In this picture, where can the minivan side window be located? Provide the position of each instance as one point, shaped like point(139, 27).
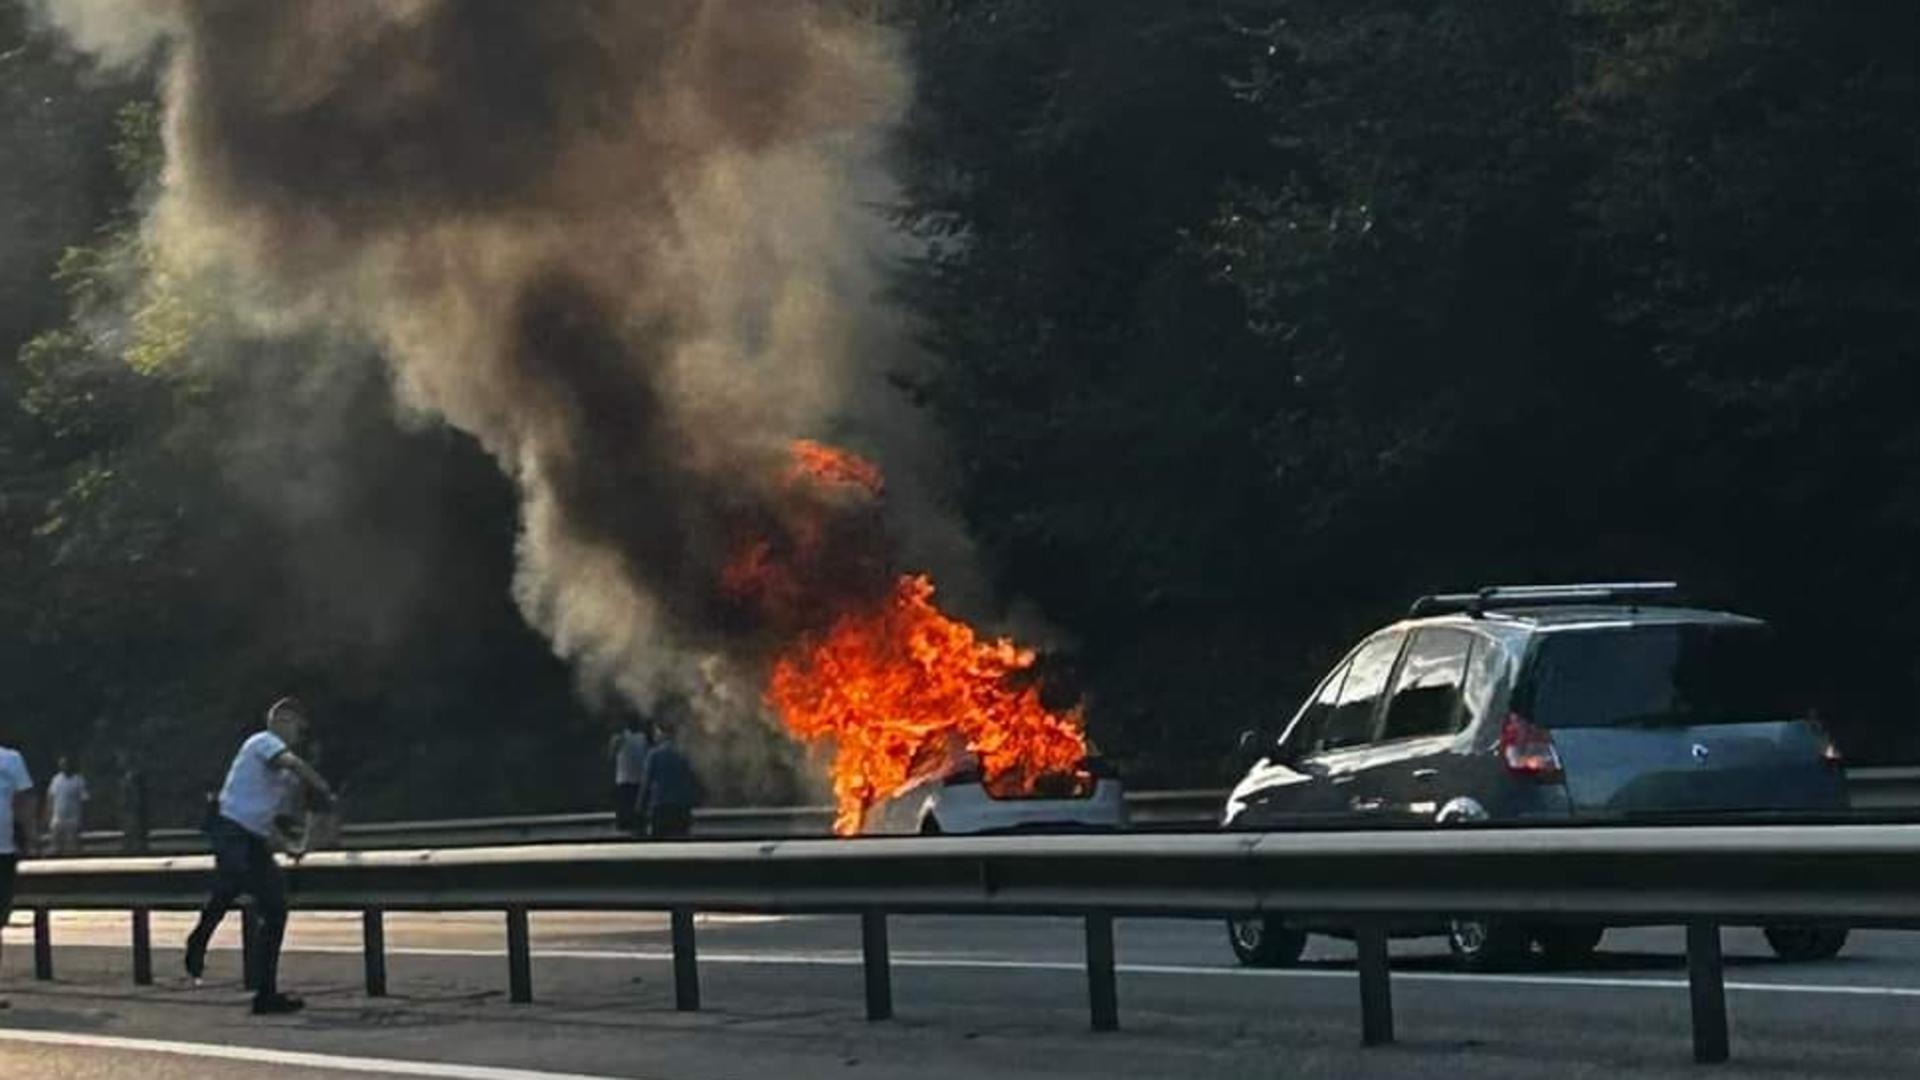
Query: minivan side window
point(1351, 723)
point(1426, 693)
point(1303, 737)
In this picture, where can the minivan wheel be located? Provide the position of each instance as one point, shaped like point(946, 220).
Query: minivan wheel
point(1568, 945)
point(1800, 943)
point(1261, 941)
point(1488, 944)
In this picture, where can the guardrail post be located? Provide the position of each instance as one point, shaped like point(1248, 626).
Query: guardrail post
point(1706, 984)
point(249, 950)
point(373, 939)
point(519, 958)
point(142, 947)
point(1376, 986)
point(878, 965)
point(686, 962)
point(42, 944)
point(1102, 993)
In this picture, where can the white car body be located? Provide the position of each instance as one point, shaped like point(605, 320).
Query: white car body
point(937, 805)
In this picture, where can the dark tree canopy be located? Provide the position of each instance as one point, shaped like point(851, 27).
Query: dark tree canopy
point(1250, 320)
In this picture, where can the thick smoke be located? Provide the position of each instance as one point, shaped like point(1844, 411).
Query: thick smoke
point(625, 244)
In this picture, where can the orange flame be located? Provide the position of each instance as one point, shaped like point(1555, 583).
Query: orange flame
point(829, 464)
point(894, 684)
point(892, 688)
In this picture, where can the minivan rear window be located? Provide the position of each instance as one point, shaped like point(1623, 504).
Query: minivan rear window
point(1661, 676)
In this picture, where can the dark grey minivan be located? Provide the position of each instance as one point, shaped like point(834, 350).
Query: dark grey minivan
point(1542, 703)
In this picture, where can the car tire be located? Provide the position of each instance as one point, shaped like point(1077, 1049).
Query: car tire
point(1568, 945)
point(1261, 941)
point(1804, 943)
point(1488, 944)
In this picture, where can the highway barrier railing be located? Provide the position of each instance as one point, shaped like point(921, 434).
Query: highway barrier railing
point(1701, 878)
point(1870, 789)
point(1148, 809)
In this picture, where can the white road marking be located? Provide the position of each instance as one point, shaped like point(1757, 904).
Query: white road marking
point(831, 959)
point(259, 1056)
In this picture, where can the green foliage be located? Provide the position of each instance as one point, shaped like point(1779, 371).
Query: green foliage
point(1257, 319)
point(1250, 320)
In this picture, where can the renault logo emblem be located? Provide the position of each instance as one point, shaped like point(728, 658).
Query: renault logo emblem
point(1699, 754)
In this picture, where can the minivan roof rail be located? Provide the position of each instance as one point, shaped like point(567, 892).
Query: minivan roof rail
point(1510, 596)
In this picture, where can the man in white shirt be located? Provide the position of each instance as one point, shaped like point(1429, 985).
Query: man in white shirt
point(66, 800)
point(244, 835)
point(629, 750)
point(16, 825)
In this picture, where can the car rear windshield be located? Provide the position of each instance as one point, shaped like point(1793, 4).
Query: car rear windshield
point(1660, 676)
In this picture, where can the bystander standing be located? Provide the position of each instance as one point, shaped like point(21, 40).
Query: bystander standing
point(630, 747)
point(16, 825)
point(67, 798)
point(669, 789)
point(133, 806)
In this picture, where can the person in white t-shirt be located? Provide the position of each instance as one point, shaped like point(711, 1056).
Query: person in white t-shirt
point(66, 804)
point(244, 835)
point(629, 750)
point(17, 815)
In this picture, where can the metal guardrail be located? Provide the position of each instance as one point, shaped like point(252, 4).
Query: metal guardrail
point(1148, 809)
point(1884, 788)
point(1870, 789)
point(1700, 878)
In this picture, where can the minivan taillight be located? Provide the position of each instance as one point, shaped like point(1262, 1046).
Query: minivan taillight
point(1527, 751)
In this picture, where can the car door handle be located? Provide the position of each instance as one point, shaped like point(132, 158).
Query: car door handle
point(1425, 774)
point(1366, 805)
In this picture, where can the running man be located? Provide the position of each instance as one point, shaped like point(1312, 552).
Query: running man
point(244, 835)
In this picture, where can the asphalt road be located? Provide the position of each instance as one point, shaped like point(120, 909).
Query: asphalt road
point(975, 998)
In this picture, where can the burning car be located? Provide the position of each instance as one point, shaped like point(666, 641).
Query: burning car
point(960, 798)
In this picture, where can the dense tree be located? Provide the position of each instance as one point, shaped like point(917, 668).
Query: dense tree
point(196, 521)
point(1249, 320)
point(1397, 295)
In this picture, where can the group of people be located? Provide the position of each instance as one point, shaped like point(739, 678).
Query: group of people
point(655, 788)
point(64, 809)
point(245, 827)
point(656, 792)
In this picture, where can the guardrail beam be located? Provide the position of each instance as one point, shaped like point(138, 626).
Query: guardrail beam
point(1706, 985)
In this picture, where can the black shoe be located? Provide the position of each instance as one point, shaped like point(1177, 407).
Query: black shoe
point(196, 962)
point(277, 1005)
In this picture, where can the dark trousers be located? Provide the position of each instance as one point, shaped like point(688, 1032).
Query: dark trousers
point(626, 810)
point(670, 822)
point(243, 865)
point(9, 866)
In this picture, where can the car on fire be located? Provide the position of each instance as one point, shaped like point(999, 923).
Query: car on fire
point(1542, 704)
point(958, 798)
